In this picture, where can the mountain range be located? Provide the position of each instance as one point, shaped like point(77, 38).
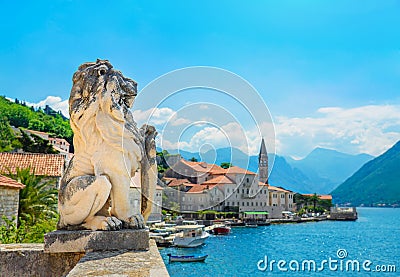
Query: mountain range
point(375, 183)
point(319, 172)
point(327, 168)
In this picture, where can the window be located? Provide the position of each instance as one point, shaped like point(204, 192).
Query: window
point(247, 179)
point(247, 191)
point(227, 190)
point(256, 203)
point(248, 204)
point(242, 203)
point(243, 191)
point(282, 196)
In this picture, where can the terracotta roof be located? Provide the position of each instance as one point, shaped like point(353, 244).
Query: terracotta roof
point(178, 182)
point(43, 164)
point(200, 188)
point(11, 183)
point(322, 197)
point(167, 180)
point(204, 167)
point(238, 170)
point(278, 189)
point(159, 187)
point(219, 180)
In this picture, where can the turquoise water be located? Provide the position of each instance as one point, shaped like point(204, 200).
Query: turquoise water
point(375, 236)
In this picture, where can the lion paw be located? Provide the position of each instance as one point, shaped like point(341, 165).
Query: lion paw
point(113, 223)
point(134, 222)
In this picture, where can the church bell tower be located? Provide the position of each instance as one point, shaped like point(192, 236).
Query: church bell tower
point(263, 163)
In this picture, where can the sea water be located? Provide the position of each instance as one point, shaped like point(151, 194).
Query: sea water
point(327, 248)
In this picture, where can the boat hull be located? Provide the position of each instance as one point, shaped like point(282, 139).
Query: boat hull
point(173, 258)
point(221, 230)
point(190, 242)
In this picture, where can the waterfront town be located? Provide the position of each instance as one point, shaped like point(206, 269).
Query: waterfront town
point(188, 187)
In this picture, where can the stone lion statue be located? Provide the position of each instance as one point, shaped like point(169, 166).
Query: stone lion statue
point(109, 150)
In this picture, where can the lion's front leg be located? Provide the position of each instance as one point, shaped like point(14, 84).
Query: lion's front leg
point(120, 204)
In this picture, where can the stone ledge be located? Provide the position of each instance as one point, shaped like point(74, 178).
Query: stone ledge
point(29, 260)
point(121, 263)
point(86, 241)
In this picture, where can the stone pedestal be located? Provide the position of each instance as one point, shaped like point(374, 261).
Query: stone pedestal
point(89, 241)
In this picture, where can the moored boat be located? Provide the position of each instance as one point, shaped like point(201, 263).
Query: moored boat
point(221, 229)
point(190, 236)
point(189, 258)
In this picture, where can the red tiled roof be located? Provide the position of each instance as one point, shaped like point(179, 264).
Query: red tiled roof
point(11, 183)
point(43, 164)
point(200, 188)
point(159, 187)
point(204, 167)
point(178, 182)
point(278, 189)
point(219, 180)
point(238, 170)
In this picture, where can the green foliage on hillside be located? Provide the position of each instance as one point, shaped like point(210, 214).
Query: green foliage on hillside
point(377, 182)
point(8, 141)
point(21, 116)
point(35, 144)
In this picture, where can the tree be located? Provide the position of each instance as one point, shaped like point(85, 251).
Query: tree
point(226, 165)
point(6, 135)
point(314, 200)
point(36, 144)
point(36, 124)
point(38, 200)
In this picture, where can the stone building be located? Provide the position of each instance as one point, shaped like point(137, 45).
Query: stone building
point(9, 198)
point(135, 196)
point(196, 186)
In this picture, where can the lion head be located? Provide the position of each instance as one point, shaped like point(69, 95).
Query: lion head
point(94, 81)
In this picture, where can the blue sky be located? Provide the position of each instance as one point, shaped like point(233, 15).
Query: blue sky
point(315, 63)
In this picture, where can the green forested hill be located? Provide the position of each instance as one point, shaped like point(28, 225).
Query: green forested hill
point(377, 182)
point(21, 116)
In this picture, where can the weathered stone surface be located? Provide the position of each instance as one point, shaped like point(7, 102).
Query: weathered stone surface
point(121, 263)
point(109, 150)
point(30, 260)
point(85, 240)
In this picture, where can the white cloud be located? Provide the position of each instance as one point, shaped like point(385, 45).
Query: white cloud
point(231, 134)
point(159, 116)
point(367, 129)
point(55, 102)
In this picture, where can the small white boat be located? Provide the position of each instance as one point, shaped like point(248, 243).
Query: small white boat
point(191, 258)
point(190, 236)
